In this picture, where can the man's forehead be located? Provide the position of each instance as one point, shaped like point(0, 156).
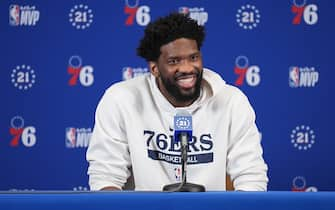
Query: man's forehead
point(179, 47)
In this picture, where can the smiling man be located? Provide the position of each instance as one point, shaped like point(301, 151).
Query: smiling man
point(179, 71)
point(134, 120)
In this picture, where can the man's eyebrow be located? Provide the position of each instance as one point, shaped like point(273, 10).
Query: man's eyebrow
point(173, 57)
point(196, 53)
point(177, 57)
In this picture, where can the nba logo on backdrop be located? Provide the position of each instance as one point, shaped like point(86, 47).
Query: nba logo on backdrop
point(70, 137)
point(303, 76)
point(21, 133)
point(129, 72)
point(77, 137)
point(79, 73)
point(14, 15)
point(136, 13)
point(196, 13)
point(304, 13)
point(244, 72)
point(23, 15)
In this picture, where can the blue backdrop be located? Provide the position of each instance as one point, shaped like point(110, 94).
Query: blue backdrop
point(58, 57)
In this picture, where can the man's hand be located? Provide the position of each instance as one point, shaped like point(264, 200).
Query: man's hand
point(111, 188)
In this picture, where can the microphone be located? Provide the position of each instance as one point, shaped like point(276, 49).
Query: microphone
point(183, 134)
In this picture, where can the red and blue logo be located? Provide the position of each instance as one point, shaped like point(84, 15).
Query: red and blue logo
point(244, 72)
point(136, 13)
point(21, 133)
point(304, 13)
point(299, 184)
point(78, 72)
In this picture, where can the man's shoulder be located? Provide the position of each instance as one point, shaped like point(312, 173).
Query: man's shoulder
point(129, 87)
point(231, 90)
point(219, 86)
point(129, 92)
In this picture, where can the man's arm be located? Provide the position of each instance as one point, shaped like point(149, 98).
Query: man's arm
point(245, 163)
point(108, 151)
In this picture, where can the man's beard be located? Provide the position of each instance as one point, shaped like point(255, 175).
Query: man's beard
point(177, 92)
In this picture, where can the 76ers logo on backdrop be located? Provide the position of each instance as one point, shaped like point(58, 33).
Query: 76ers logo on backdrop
point(299, 184)
point(78, 72)
point(27, 134)
point(306, 11)
point(245, 72)
point(135, 12)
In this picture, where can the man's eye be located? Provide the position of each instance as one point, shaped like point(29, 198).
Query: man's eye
point(173, 61)
point(194, 57)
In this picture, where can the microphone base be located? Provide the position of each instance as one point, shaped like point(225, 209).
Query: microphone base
point(187, 187)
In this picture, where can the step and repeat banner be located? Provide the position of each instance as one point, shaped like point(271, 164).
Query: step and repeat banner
point(58, 57)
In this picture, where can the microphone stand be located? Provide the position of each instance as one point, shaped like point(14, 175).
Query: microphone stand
point(184, 186)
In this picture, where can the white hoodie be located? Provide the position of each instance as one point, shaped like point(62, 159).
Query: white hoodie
point(134, 128)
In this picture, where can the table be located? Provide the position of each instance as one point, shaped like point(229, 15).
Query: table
point(127, 200)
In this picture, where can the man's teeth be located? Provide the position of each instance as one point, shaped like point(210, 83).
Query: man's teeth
point(186, 80)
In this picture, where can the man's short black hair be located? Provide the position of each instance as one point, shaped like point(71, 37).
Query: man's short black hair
point(167, 29)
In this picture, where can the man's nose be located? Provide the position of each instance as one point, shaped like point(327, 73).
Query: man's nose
point(186, 66)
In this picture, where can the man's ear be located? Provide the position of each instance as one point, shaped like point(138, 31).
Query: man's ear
point(153, 68)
